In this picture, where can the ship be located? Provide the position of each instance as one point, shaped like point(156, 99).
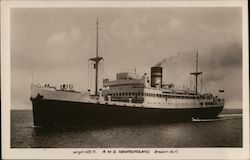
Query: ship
point(130, 99)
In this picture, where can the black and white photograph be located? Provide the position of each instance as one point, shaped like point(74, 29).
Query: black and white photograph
point(114, 80)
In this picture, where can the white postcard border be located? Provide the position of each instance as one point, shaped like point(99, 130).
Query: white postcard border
point(71, 153)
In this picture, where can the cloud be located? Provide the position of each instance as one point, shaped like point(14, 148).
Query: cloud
point(75, 34)
point(175, 23)
point(58, 39)
point(64, 37)
point(221, 66)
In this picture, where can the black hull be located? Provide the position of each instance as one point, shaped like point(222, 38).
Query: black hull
point(64, 113)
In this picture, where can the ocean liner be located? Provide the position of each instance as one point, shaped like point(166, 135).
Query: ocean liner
point(130, 99)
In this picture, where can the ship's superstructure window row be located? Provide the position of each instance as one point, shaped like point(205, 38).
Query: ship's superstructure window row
point(141, 94)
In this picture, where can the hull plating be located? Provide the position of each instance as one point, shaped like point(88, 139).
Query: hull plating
point(56, 113)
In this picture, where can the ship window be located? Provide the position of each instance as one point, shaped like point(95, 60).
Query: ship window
point(120, 94)
point(129, 94)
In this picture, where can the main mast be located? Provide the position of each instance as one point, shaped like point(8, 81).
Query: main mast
point(97, 59)
point(196, 74)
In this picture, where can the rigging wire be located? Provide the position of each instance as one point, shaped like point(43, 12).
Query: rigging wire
point(205, 88)
point(88, 75)
point(201, 82)
point(90, 63)
point(91, 70)
point(102, 54)
point(190, 85)
point(114, 43)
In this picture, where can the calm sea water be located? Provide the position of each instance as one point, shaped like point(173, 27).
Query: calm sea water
point(225, 132)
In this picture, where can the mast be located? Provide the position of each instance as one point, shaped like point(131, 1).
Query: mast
point(96, 59)
point(196, 73)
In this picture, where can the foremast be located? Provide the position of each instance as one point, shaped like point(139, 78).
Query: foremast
point(196, 73)
point(96, 59)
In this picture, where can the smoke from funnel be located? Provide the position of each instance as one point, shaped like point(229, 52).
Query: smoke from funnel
point(160, 63)
point(168, 60)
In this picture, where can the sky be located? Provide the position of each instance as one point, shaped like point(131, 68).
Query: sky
point(53, 45)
